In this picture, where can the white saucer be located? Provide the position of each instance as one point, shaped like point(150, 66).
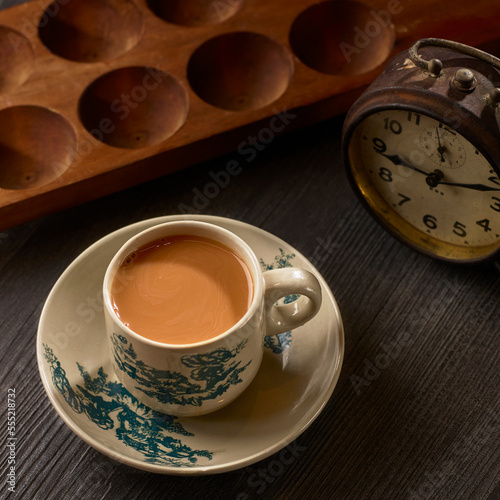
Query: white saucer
point(297, 377)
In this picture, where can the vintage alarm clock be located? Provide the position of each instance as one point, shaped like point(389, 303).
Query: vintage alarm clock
point(422, 150)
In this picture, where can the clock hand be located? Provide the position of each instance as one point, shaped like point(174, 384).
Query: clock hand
point(436, 179)
point(440, 149)
point(478, 187)
point(398, 161)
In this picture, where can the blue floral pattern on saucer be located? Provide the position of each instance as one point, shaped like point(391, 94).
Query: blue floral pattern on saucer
point(110, 406)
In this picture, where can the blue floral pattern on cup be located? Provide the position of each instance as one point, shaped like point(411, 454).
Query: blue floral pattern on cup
point(212, 374)
point(279, 343)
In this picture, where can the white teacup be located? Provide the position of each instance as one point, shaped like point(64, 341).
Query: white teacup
point(197, 378)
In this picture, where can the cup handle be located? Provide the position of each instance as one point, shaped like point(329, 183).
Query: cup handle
point(290, 281)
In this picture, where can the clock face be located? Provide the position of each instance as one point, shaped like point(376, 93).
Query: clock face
point(428, 184)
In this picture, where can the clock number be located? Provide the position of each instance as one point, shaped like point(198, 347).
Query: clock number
point(430, 221)
point(495, 180)
point(412, 116)
point(485, 224)
point(496, 206)
point(393, 125)
point(385, 174)
point(404, 199)
point(379, 145)
point(460, 229)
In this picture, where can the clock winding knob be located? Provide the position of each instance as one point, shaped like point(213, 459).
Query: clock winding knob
point(464, 80)
point(434, 66)
point(495, 96)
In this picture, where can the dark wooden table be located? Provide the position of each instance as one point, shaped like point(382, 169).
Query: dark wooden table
point(416, 412)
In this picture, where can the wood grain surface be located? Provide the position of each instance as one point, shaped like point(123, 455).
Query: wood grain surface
point(99, 95)
point(416, 412)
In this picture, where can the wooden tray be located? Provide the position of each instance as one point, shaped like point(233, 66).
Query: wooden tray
point(99, 95)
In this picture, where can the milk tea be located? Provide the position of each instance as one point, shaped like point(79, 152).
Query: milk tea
point(181, 289)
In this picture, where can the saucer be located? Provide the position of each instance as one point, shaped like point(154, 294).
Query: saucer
point(297, 377)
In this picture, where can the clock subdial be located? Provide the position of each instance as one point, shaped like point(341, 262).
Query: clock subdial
point(443, 146)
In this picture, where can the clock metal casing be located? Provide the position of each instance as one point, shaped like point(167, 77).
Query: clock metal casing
point(471, 113)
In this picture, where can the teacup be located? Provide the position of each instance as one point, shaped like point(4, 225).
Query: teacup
point(191, 357)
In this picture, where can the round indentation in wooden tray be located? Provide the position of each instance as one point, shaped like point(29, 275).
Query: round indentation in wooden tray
point(195, 12)
point(134, 107)
point(342, 37)
point(91, 30)
point(17, 59)
point(240, 71)
point(36, 146)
